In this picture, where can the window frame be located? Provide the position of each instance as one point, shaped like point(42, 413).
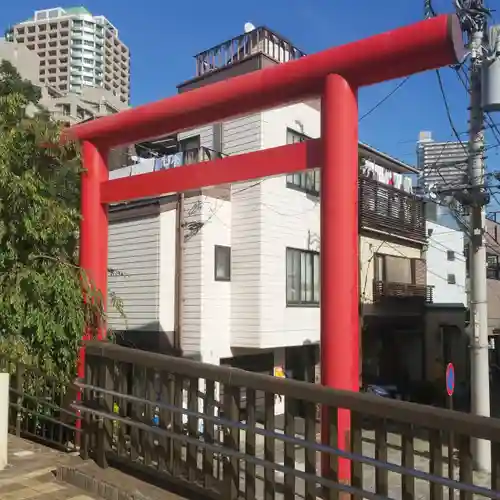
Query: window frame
point(380, 267)
point(190, 148)
point(315, 257)
point(302, 177)
point(492, 266)
point(226, 253)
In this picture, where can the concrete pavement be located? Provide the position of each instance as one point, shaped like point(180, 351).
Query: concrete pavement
point(30, 474)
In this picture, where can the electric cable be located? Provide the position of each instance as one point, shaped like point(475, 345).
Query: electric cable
point(388, 96)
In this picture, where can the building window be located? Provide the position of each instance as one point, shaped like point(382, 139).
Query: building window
point(222, 267)
point(190, 148)
point(399, 269)
point(451, 279)
point(302, 277)
point(450, 255)
point(307, 182)
point(492, 267)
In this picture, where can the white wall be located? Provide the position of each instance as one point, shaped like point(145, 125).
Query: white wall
point(134, 252)
point(166, 301)
point(244, 135)
point(289, 218)
point(440, 242)
point(191, 280)
point(216, 295)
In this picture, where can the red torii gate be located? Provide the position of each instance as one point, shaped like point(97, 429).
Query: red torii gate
point(334, 74)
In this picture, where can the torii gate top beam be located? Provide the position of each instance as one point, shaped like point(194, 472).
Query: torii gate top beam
point(418, 47)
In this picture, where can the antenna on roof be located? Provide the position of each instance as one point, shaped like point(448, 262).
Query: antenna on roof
point(249, 27)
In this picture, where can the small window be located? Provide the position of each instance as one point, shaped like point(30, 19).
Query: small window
point(190, 147)
point(302, 277)
point(307, 182)
point(450, 255)
point(451, 279)
point(222, 268)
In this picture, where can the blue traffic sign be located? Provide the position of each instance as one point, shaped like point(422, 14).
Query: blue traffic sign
point(450, 379)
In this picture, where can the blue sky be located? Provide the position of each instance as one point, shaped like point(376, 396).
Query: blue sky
point(163, 37)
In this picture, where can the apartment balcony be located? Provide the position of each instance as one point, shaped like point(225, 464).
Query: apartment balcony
point(245, 53)
point(260, 40)
point(389, 210)
point(165, 159)
point(400, 280)
point(384, 291)
point(197, 155)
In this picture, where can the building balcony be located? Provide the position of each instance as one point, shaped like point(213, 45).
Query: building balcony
point(389, 291)
point(197, 155)
point(260, 40)
point(177, 158)
point(389, 210)
point(399, 279)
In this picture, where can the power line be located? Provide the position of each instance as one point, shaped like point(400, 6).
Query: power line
point(448, 111)
point(388, 96)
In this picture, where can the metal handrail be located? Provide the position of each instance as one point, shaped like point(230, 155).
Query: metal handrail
point(410, 413)
point(392, 467)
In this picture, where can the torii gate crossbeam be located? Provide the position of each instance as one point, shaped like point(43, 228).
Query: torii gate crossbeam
point(334, 74)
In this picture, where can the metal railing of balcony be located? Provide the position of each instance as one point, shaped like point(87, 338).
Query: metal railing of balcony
point(389, 290)
point(260, 40)
point(187, 157)
point(390, 210)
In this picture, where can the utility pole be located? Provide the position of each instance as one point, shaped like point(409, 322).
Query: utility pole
point(473, 15)
point(480, 370)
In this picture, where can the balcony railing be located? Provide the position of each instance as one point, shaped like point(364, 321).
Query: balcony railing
point(261, 40)
point(390, 210)
point(383, 290)
point(190, 156)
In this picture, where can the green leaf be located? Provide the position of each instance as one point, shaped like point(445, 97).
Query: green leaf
point(42, 311)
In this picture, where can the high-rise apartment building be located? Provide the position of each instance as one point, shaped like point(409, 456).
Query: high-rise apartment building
point(441, 164)
point(76, 50)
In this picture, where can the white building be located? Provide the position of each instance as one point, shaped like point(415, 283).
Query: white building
point(446, 262)
point(243, 251)
point(233, 276)
point(446, 335)
point(441, 164)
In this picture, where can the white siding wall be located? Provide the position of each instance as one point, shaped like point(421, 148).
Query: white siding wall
point(206, 303)
point(168, 222)
point(193, 262)
point(192, 279)
point(134, 251)
point(289, 219)
point(438, 266)
point(216, 295)
point(244, 135)
point(205, 133)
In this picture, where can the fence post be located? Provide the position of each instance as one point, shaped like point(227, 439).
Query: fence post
point(105, 429)
point(4, 418)
point(86, 427)
point(231, 440)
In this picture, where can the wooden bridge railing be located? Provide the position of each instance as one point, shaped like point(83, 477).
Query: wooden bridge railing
point(182, 421)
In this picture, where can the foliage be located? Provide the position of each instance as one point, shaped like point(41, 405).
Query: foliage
point(42, 314)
